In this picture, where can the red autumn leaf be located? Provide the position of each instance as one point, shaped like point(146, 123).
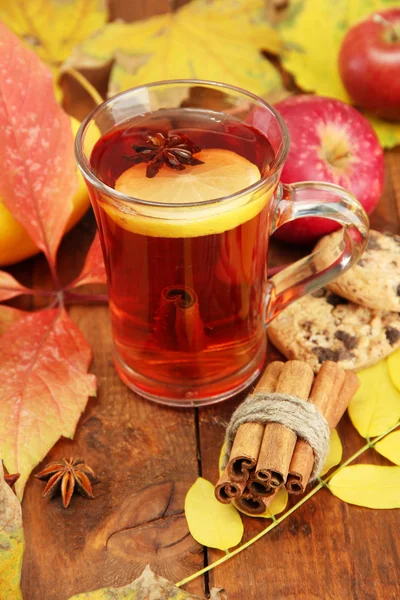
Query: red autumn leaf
point(38, 175)
point(10, 287)
point(44, 360)
point(8, 316)
point(94, 270)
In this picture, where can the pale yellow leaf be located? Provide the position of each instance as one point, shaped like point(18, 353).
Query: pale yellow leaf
point(394, 368)
point(368, 485)
point(219, 40)
point(53, 27)
point(389, 447)
point(211, 523)
point(147, 586)
point(312, 32)
point(11, 542)
point(376, 405)
point(335, 452)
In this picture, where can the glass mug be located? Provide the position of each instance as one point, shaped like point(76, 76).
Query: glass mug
point(187, 278)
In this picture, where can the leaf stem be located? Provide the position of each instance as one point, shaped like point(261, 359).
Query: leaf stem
point(54, 275)
point(276, 522)
point(85, 83)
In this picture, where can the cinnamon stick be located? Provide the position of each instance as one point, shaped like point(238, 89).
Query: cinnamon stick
point(331, 393)
point(278, 441)
point(246, 447)
point(179, 324)
point(260, 488)
point(227, 490)
point(254, 505)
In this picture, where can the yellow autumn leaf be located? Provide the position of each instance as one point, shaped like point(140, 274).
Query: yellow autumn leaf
point(148, 585)
point(54, 27)
point(335, 453)
point(219, 40)
point(389, 447)
point(368, 485)
point(394, 368)
point(312, 32)
point(376, 405)
point(211, 523)
point(11, 542)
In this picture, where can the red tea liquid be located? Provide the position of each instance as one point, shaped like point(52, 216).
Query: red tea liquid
point(187, 312)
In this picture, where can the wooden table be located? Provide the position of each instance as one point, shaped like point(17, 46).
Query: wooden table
point(147, 456)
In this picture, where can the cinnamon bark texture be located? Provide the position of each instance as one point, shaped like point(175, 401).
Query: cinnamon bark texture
point(179, 324)
point(254, 505)
point(331, 393)
point(246, 447)
point(278, 441)
point(227, 490)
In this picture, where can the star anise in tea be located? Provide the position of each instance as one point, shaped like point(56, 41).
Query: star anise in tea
point(173, 150)
point(68, 476)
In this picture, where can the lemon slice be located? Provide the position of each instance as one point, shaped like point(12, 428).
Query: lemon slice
point(222, 174)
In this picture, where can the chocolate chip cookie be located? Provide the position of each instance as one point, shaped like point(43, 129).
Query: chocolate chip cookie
point(374, 281)
point(324, 326)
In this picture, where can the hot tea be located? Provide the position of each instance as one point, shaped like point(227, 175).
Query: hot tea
point(187, 274)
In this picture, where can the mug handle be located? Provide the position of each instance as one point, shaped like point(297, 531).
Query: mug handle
point(314, 199)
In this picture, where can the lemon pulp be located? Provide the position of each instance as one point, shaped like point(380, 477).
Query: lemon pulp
point(223, 173)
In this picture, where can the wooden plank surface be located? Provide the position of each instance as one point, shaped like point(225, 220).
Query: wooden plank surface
point(147, 456)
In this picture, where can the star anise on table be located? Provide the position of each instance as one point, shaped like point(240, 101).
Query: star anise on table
point(174, 150)
point(68, 475)
point(11, 479)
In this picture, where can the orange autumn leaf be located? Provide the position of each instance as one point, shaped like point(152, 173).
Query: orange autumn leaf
point(45, 386)
point(94, 270)
point(10, 287)
point(38, 176)
point(8, 316)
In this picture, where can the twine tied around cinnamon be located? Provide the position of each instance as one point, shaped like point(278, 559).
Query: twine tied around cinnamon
point(300, 416)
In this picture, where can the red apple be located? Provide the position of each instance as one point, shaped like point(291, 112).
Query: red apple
point(369, 63)
point(329, 141)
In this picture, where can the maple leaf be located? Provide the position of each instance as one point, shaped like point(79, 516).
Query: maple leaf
point(38, 176)
point(54, 27)
point(219, 40)
point(93, 270)
point(11, 541)
point(10, 287)
point(44, 360)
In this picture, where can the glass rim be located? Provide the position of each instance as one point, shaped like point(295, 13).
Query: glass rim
point(84, 165)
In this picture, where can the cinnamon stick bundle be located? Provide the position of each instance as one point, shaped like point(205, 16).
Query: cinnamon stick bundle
point(331, 393)
point(278, 441)
point(246, 447)
point(265, 457)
